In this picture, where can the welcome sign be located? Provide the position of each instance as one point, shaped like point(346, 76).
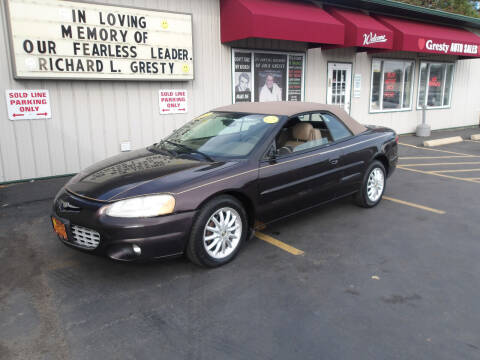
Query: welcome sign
point(52, 39)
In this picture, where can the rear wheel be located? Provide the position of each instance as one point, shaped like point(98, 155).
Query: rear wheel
point(218, 232)
point(373, 186)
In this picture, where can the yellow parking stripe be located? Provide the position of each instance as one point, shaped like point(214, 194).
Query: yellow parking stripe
point(418, 206)
point(440, 175)
point(278, 243)
point(435, 164)
point(444, 151)
point(449, 171)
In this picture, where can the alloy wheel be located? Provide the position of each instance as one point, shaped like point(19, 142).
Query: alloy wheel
point(375, 184)
point(222, 233)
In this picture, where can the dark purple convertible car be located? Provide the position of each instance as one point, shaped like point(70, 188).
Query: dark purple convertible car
point(200, 191)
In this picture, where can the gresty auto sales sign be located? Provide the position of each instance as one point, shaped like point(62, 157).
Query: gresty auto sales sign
point(447, 47)
point(52, 39)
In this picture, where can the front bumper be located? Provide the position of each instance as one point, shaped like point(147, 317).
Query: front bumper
point(157, 237)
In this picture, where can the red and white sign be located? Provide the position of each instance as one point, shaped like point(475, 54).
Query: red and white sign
point(172, 101)
point(448, 47)
point(28, 104)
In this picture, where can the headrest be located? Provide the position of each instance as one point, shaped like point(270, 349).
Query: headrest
point(302, 131)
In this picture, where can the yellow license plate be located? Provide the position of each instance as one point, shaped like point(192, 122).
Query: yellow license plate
point(59, 228)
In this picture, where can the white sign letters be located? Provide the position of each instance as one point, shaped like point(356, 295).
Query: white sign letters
point(371, 38)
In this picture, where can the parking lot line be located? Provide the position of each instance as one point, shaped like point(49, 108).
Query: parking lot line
point(418, 206)
point(460, 170)
point(429, 149)
point(278, 243)
point(437, 157)
point(440, 175)
point(446, 163)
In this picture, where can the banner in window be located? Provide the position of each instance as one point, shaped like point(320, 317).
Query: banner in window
point(243, 77)
point(270, 77)
point(295, 73)
point(267, 76)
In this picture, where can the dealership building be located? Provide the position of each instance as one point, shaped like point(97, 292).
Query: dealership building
point(86, 80)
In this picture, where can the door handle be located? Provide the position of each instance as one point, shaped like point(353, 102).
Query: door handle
point(334, 161)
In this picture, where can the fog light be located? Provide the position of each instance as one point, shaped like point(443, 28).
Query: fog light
point(137, 250)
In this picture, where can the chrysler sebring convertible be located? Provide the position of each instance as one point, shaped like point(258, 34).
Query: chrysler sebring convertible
point(201, 190)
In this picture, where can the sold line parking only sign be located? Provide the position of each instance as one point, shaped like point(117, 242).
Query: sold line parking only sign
point(172, 101)
point(28, 104)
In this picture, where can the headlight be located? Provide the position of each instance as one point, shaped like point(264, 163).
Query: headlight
point(142, 206)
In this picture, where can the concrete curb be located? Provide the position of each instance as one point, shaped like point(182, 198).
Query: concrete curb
point(443, 141)
point(475, 137)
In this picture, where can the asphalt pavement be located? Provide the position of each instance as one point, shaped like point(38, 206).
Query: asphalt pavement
point(399, 281)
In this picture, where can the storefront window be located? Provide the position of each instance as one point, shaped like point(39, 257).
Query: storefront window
point(435, 86)
point(391, 85)
point(267, 76)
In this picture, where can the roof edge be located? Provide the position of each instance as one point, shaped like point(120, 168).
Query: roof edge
point(463, 20)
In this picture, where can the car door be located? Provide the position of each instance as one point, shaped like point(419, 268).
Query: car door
point(353, 155)
point(294, 181)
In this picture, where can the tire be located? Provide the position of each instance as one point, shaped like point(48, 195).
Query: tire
point(371, 195)
point(215, 248)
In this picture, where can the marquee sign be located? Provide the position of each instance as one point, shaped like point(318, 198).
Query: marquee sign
point(53, 39)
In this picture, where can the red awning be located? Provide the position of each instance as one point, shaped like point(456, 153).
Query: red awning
point(428, 38)
point(363, 30)
point(276, 19)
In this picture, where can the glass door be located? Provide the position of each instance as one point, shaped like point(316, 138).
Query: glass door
point(339, 85)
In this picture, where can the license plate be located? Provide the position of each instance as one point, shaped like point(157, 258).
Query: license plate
point(59, 228)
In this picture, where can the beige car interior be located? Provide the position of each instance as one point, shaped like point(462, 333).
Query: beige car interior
point(298, 135)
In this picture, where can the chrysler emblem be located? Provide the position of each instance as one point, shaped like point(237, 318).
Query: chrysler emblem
point(66, 206)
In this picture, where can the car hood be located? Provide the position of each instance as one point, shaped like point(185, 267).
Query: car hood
point(139, 172)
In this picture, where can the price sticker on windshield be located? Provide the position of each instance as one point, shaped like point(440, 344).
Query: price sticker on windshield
point(270, 119)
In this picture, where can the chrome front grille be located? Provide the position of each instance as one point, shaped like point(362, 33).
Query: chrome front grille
point(85, 238)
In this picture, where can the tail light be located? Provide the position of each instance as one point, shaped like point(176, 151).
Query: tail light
point(397, 138)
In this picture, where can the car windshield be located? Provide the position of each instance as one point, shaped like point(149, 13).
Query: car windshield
point(222, 134)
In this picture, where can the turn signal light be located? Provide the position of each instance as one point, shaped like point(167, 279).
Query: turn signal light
point(59, 228)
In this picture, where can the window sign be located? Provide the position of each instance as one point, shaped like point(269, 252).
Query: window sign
point(52, 39)
point(243, 77)
point(270, 77)
point(391, 85)
point(267, 76)
point(435, 84)
point(295, 74)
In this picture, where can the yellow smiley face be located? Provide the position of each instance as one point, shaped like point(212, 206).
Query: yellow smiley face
point(185, 68)
point(165, 24)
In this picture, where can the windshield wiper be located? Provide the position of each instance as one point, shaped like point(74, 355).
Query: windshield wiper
point(189, 149)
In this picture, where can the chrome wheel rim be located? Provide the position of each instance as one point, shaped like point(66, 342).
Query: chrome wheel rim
point(375, 185)
point(222, 233)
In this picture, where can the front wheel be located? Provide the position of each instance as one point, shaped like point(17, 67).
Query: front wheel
point(373, 186)
point(218, 232)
